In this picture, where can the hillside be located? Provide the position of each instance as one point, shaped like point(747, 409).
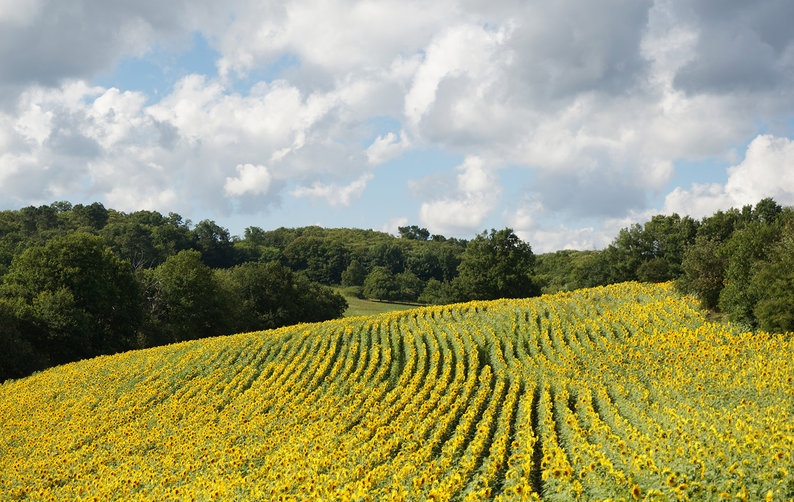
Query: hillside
point(622, 391)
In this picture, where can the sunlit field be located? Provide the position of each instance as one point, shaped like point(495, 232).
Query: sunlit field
point(621, 392)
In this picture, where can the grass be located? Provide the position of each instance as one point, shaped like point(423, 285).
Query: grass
point(358, 306)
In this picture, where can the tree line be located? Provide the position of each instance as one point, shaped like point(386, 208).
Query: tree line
point(739, 263)
point(82, 280)
point(78, 280)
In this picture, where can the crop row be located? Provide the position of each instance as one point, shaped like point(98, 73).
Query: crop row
point(617, 392)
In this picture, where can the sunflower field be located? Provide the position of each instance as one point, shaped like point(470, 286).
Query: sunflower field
point(623, 392)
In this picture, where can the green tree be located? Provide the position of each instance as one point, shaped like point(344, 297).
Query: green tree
point(380, 284)
point(414, 232)
point(214, 243)
point(354, 274)
point(772, 283)
point(185, 301)
point(495, 265)
point(703, 269)
point(92, 217)
point(389, 255)
point(322, 260)
point(80, 296)
point(18, 356)
point(435, 292)
point(409, 286)
point(653, 270)
point(744, 250)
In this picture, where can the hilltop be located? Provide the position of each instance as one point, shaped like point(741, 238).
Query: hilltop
point(623, 391)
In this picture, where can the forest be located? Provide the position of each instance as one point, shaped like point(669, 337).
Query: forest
point(79, 281)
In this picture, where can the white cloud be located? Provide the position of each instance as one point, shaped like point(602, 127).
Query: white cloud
point(334, 194)
point(386, 147)
point(477, 193)
point(136, 198)
point(392, 226)
point(250, 179)
point(766, 171)
point(332, 38)
point(547, 240)
point(460, 50)
point(596, 100)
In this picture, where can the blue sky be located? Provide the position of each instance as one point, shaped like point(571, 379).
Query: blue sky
point(564, 120)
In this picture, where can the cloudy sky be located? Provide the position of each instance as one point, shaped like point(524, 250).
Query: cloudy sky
point(564, 120)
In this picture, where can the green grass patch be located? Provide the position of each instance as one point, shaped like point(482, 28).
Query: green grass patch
point(359, 306)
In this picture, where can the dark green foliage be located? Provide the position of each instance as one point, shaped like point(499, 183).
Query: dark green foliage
point(147, 238)
point(380, 284)
point(562, 270)
point(638, 251)
point(185, 301)
point(79, 281)
point(741, 264)
point(389, 255)
point(92, 217)
point(654, 270)
point(214, 243)
point(410, 286)
point(773, 284)
point(495, 265)
point(435, 293)
point(269, 295)
point(414, 232)
point(743, 250)
point(354, 274)
point(322, 260)
point(18, 356)
point(77, 296)
point(703, 271)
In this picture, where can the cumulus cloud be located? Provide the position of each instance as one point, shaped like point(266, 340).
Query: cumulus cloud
point(386, 147)
point(766, 171)
point(393, 225)
point(47, 41)
point(740, 47)
point(332, 193)
point(596, 101)
point(250, 179)
point(475, 196)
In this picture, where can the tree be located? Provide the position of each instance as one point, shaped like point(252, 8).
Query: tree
point(214, 244)
point(495, 265)
point(435, 293)
point(322, 260)
point(185, 301)
point(380, 284)
point(409, 286)
point(703, 270)
point(413, 232)
point(317, 302)
point(389, 255)
point(773, 284)
point(425, 263)
point(18, 356)
point(269, 295)
point(93, 216)
point(80, 297)
point(653, 270)
point(743, 250)
point(354, 274)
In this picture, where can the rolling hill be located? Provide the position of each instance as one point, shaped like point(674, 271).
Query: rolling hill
point(623, 391)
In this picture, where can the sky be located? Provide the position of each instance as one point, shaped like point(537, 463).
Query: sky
point(564, 120)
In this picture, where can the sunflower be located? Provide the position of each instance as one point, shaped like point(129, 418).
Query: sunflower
point(636, 492)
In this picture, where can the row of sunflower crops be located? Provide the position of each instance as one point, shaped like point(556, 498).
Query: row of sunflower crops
point(621, 392)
